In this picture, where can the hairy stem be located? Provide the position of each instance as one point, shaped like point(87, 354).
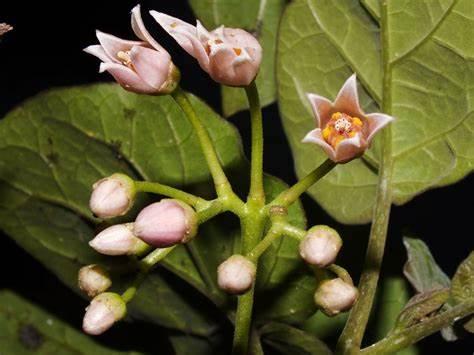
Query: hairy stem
point(256, 167)
point(401, 339)
point(157, 188)
point(352, 336)
point(252, 228)
point(218, 175)
point(286, 198)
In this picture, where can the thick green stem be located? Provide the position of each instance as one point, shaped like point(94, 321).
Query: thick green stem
point(252, 228)
point(352, 336)
point(401, 339)
point(286, 198)
point(218, 175)
point(157, 188)
point(256, 168)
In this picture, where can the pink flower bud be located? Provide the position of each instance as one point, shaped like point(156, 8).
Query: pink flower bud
point(4, 28)
point(166, 223)
point(103, 311)
point(335, 296)
point(320, 246)
point(231, 56)
point(118, 240)
point(112, 196)
point(93, 280)
point(343, 130)
point(236, 275)
point(143, 66)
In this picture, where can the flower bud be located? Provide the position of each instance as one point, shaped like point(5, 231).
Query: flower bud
point(166, 223)
point(103, 311)
point(93, 280)
point(320, 246)
point(236, 275)
point(112, 196)
point(335, 296)
point(118, 240)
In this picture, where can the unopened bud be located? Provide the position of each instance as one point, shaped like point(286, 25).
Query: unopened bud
point(93, 280)
point(118, 240)
point(236, 275)
point(320, 246)
point(112, 196)
point(103, 311)
point(166, 223)
point(335, 296)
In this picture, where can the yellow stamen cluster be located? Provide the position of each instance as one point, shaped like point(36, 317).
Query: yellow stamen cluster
point(124, 57)
point(341, 126)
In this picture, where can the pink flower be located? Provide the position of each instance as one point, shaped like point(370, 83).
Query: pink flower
point(343, 130)
point(166, 223)
point(231, 56)
point(142, 67)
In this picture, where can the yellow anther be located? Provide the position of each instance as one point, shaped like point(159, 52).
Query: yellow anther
point(124, 57)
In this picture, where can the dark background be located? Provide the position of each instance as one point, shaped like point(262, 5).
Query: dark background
point(44, 51)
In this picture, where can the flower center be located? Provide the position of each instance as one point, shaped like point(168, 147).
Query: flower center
point(341, 126)
point(124, 57)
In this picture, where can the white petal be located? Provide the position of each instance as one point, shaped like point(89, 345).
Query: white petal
point(350, 148)
point(98, 51)
point(140, 30)
point(321, 109)
point(127, 78)
point(376, 121)
point(315, 136)
point(112, 44)
point(176, 28)
point(347, 100)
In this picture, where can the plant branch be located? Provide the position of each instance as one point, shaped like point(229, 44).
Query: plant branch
point(401, 339)
point(286, 198)
point(353, 333)
point(220, 180)
point(157, 188)
point(256, 165)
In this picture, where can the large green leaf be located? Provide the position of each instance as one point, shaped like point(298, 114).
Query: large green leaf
point(431, 71)
point(260, 17)
point(27, 329)
point(52, 149)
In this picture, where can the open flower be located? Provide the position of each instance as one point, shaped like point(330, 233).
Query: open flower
point(231, 56)
point(142, 67)
point(343, 130)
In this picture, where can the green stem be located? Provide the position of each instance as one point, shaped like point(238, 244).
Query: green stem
point(157, 188)
point(252, 228)
point(146, 264)
point(218, 175)
point(256, 166)
point(273, 234)
point(353, 333)
point(286, 198)
point(401, 339)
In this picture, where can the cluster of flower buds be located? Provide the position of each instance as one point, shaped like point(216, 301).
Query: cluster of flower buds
point(320, 248)
point(236, 275)
point(231, 56)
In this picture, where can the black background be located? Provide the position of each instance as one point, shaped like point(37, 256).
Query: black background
point(44, 51)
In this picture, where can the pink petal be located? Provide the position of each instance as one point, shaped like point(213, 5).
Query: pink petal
point(186, 36)
point(376, 121)
point(350, 148)
point(202, 34)
point(127, 78)
point(98, 51)
point(112, 45)
point(347, 100)
point(226, 67)
point(315, 136)
point(321, 108)
point(140, 30)
point(151, 65)
point(238, 38)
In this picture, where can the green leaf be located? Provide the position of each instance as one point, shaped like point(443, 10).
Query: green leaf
point(462, 289)
point(294, 341)
point(322, 42)
point(421, 268)
point(421, 306)
point(261, 18)
point(27, 329)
